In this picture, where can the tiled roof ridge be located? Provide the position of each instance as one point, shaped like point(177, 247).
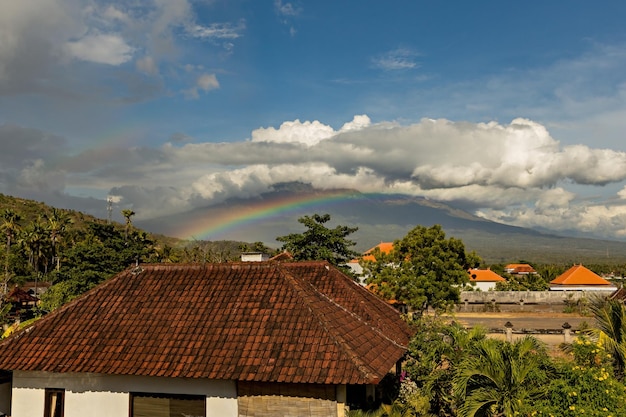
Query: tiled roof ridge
point(341, 343)
point(360, 319)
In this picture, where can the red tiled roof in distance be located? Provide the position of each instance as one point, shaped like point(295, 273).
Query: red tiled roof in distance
point(19, 295)
point(384, 247)
point(519, 269)
point(260, 321)
point(484, 275)
point(579, 275)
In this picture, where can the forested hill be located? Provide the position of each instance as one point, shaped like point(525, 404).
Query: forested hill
point(74, 251)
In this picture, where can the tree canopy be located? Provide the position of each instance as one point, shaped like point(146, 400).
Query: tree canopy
point(423, 269)
point(319, 242)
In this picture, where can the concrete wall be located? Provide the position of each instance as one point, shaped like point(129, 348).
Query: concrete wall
point(528, 297)
point(108, 395)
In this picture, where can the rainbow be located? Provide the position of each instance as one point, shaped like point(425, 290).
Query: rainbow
point(210, 227)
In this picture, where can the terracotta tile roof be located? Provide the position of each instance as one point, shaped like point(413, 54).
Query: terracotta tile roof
point(263, 321)
point(19, 295)
point(385, 247)
point(519, 269)
point(579, 275)
point(484, 275)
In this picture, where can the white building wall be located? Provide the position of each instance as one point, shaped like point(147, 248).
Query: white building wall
point(98, 395)
point(484, 285)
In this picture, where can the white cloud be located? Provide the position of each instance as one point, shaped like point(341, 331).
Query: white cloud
point(207, 82)
point(308, 133)
point(147, 65)
point(217, 31)
point(397, 59)
point(515, 173)
point(100, 48)
point(286, 9)
point(40, 40)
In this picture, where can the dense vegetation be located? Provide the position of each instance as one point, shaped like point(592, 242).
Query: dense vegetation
point(74, 252)
point(449, 370)
point(424, 269)
point(452, 371)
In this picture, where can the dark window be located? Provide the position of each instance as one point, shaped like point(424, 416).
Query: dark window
point(54, 403)
point(167, 405)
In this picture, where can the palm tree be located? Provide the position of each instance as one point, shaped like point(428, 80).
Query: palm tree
point(127, 213)
point(10, 225)
point(496, 378)
point(610, 330)
point(57, 225)
point(34, 239)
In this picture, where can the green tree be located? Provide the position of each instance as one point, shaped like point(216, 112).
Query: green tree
point(319, 242)
point(127, 213)
point(57, 226)
point(433, 355)
point(423, 269)
point(102, 253)
point(10, 226)
point(34, 239)
point(530, 282)
point(498, 378)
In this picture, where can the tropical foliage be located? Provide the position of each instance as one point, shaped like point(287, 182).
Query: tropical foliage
point(498, 378)
point(424, 269)
point(319, 242)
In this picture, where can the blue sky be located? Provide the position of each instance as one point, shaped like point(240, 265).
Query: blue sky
point(515, 111)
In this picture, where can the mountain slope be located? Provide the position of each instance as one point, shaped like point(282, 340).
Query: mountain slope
point(379, 218)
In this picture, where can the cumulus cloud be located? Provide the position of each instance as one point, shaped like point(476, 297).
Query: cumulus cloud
point(514, 173)
point(205, 82)
point(108, 49)
point(40, 42)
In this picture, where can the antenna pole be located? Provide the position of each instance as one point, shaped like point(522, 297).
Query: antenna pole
point(109, 208)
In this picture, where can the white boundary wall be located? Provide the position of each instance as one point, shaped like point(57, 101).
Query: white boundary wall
point(98, 395)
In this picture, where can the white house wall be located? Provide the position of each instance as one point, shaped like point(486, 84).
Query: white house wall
point(484, 285)
point(98, 395)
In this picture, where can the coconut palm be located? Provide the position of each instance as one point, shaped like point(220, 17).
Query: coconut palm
point(127, 213)
point(10, 226)
point(497, 378)
point(610, 331)
point(57, 225)
point(35, 239)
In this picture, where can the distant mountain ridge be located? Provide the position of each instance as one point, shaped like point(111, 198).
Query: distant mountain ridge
point(387, 218)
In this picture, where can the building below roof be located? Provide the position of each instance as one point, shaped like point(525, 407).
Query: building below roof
point(355, 266)
point(484, 279)
point(229, 337)
point(519, 269)
point(254, 257)
point(579, 278)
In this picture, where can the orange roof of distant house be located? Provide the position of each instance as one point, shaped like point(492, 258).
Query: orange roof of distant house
point(384, 247)
point(579, 275)
point(484, 275)
point(519, 268)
